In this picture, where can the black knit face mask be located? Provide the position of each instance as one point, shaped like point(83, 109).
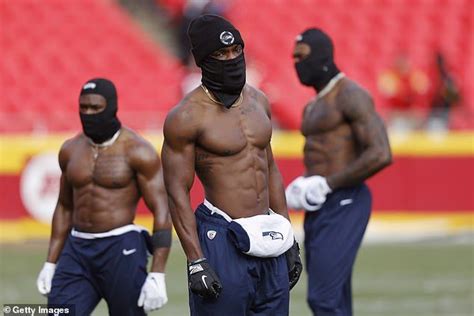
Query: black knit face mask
point(318, 68)
point(316, 72)
point(101, 126)
point(225, 78)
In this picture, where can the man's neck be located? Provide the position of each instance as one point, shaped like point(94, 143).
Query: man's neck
point(330, 85)
point(331, 72)
point(108, 142)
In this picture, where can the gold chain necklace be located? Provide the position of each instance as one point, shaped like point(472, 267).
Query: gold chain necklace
point(210, 96)
point(104, 145)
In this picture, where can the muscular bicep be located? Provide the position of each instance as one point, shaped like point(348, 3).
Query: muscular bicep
point(62, 220)
point(264, 102)
point(276, 189)
point(180, 132)
point(147, 166)
point(370, 138)
point(178, 164)
point(367, 126)
point(146, 163)
point(65, 199)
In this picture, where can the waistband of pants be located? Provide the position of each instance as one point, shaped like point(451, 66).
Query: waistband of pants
point(208, 212)
point(353, 188)
point(114, 232)
point(205, 214)
point(216, 210)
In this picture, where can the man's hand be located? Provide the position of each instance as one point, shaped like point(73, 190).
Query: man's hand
point(45, 278)
point(153, 294)
point(203, 281)
point(294, 194)
point(316, 189)
point(295, 267)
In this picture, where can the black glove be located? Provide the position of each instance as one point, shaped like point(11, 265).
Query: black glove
point(293, 260)
point(203, 281)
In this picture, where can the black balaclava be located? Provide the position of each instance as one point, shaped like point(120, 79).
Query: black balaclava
point(101, 126)
point(318, 68)
point(225, 78)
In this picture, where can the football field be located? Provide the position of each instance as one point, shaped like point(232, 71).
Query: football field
point(427, 278)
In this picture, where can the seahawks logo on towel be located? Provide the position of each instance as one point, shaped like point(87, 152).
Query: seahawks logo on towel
point(227, 38)
point(274, 235)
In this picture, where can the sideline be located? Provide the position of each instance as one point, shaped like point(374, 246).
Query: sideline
point(383, 227)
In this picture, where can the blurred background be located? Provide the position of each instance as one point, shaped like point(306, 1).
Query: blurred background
point(416, 58)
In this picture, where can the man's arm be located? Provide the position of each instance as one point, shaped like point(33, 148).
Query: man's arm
point(277, 199)
point(61, 226)
point(370, 134)
point(276, 189)
point(145, 161)
point(147, 164)
point(62, 218)
point(178, 164)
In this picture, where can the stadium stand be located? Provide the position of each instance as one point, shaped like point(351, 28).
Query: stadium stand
point(368, 36)
point(49, 48)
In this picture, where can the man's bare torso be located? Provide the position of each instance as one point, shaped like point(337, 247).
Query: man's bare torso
point(230, 152)
point(104, 188)
point(330, 144)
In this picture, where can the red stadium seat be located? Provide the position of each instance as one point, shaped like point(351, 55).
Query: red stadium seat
point(368, 35)
point(49, 48)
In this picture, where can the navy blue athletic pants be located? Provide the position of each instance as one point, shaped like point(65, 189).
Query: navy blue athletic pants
point(251, 286)
point(333, 236)
point(113, 268)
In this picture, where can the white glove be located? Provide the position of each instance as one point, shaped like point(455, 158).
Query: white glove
point(315, 190)
point(153, 294)
point(294, 193)
point(45, 278)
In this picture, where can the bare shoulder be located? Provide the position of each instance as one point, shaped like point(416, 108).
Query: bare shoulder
point(67, 149)
point(353, 99)
point(183, 121)
point(259, 97)
point(138, 149)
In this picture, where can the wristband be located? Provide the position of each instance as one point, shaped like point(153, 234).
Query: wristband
point(161, 239)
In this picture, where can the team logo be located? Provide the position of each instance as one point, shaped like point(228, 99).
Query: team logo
point(227, 38)
point(273, 235)
point(211, 234)
point(89, 85)
point(39, 186)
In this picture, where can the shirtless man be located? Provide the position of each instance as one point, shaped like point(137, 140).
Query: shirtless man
point(346, 143)
point(95, 250)
point(222, 131)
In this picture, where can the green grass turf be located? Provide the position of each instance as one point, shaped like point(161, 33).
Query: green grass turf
point(420, 279)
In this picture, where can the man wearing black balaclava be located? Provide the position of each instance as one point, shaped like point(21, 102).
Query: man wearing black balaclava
point(217, 48)
point(95, 250)
point(103, 125)
point(241, 252)
point(346, 143)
